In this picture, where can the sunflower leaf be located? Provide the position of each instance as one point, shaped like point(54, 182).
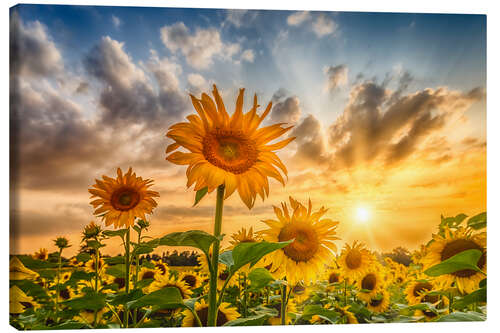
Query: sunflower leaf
point(194, 238)
point(478, 221)
point(318, 310)
point(251, 253)
point(114, 233)
point(165, 298)
point(465, 260)
point(257, 320)
point(259, 278)
point(463, 316)
point(91, 301)
point(199, 195)
point(476, 296)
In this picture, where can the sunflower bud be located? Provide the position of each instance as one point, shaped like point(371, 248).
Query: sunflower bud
point(91, 231)
point(61, 242)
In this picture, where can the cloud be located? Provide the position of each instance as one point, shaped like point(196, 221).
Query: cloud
point(248, 55)
point(32, 51)
point(199, 48)
point(82, 88)
point(311, 142)
point(116, 21)
point(240, 17)
point(128, 94)
point(196, 83)
point(285, 110)
point(336, 77)
point(324, 26)
point(375, 125)
point(298, 18)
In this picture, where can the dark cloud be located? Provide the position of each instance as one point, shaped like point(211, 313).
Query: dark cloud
point(377, 124)
point(32, 51)
point(311, 143)
point(336, 76)
point(286, 110)
point(82, 88)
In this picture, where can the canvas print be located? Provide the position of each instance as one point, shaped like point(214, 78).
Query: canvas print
point(214, 167)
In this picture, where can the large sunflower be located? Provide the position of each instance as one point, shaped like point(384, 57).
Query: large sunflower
point(379, 303)
point(417, 289)
point(230, 150)
point(163, 281)
point(312, 247)
point(119, 201)
point(355, 261)
point(452, 243)
point(226, 313)
point(370, 283)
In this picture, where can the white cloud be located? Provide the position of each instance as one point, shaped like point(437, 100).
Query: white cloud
point(116, 21)
point(199, 48)
point(324, 26)
point(336, 77)
point(248, 55)
point(298, 18)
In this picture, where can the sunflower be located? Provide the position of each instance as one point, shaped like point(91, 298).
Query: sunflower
point(91, 231)
point(19, 301)
point(148, 273)
point(42, 254)
point(416, 290)
point(290, 308)
point(243, 237)
point(441, 304)
point(192, 279)
point(299, 292)
point(333, 277)
point(355, 260)
point(75, 262)
point(90, 265)
point(369, 284)
point(229, 150)
point(118, 282)
point(119, 201)
point(346, 316)
point(312, 246)
point(162, 268)
point(226, 313)
point(379, 303)
point(87, 316)
point(65, 276)
point(163, 281)
point(17, 270)
point(65, 293)
point(452, 243)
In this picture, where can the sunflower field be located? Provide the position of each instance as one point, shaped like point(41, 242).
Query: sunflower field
point(289, 273)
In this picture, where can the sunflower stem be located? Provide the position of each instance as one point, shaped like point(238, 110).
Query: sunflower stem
point(212, 293)
point(283, 305)
point(137, 272)
point(96, 280)
point(345, 292)
point(245, 296)
point(58, 281)
point(127, 272)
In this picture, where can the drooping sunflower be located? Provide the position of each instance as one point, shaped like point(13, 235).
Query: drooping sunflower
point(312, 247)
point(17, 270)
point(355, 260)
point(346, 316)
point(230, 150)
point(19, 301)
point(452, 243)
point(379, 303)
point(41, 254)
point(164, 281)
point(226, 313)
point(119, 201)
point(417, 289)
point(369, 284)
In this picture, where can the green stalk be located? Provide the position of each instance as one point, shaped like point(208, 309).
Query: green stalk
point(245, 296)
point(137, 272)
point(283, 305)
point(212, 293)
point(127, 271)
point(345, 292)
point(96, 280)
point(57, 285)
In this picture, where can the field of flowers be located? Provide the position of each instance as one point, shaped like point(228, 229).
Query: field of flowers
point(290, 273)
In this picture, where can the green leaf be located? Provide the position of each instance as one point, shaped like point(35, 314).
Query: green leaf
point(464, 260)
point(91, 301)
point(257, 320)
point(123, 298)
point(259, 278)
point(115, 260)
point(226, 258)
point(142, 249)
point(94, 244)
point(165, 298)
point(78, 275)
point(463, 316)
point(251, 253)
point(195, 238)
point(200, 194)
point(476, 296)
point(114, 233)
point(31, 263)
point(30, 288)
point(482, 283)
point(453, 221)
point(478, 221)
point(318, 310)
point(116, 271)
point(83, 257)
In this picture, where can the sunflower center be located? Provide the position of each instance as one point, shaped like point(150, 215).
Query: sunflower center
point(64, 293)
point(148, 275)
point(223, 276)
point(369, 282)
point(333, 278)
point(306, 242)
point(120, 282)
point(299, 289)
point(430, 299)
point(125, 198)
point(203, 315)
point(459, 245)
point(229, 150)
point(190, 280)
point(27, 305)
point(421, 287)
point(376, 302)
point(162, 268)
point(353, 259)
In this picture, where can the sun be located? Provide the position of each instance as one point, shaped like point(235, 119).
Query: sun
point(363, 214)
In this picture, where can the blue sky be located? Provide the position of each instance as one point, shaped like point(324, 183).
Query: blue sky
point(375, 98)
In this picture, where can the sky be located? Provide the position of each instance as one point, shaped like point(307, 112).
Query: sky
point(388, 109)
